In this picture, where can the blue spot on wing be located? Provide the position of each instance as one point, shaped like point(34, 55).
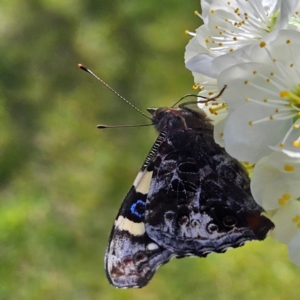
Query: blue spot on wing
point(138, 208)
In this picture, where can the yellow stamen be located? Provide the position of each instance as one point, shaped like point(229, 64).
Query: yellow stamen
point(215, 109)
point(296, 219)
point(296, 143)
point(284, 94)
point(262, 44)
point(286, 196)
point(292, 96)
point(282, 201)
point(288, 168)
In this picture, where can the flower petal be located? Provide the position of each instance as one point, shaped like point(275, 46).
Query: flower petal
point(246, 142)
point(201, 63)
point(275, 180)
point(294, 249)
point(285, 226)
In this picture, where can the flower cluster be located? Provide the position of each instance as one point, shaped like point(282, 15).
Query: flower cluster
point(252, 47)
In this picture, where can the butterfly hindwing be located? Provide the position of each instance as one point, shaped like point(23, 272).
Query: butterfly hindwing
point(199, 200)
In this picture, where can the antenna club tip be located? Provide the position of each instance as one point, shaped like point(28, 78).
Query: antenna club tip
point(82, 67)
point(101, 126)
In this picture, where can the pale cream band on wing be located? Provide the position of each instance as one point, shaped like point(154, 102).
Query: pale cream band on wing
point(132, 227)
point(142, 182)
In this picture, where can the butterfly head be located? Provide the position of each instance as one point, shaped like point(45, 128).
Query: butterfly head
point(179, 118)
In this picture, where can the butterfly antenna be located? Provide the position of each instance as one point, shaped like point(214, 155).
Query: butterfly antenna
point(82, 67)
point(200, 101)
point(101, 126)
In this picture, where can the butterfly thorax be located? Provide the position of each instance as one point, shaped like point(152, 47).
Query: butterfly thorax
point(179, 118)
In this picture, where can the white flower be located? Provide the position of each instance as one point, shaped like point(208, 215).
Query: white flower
point(231, 25)
point(275, 186)
point(263, 97)
point(231, 29)
point(242, 44)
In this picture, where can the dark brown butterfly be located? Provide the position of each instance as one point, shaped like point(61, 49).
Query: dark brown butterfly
point(189, 198)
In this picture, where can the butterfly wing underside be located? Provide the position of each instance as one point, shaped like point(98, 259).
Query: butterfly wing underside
point(132, 257)
point(199, 199)
point(190, 198)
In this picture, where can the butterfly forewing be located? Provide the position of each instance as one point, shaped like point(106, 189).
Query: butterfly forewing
point(132, 257)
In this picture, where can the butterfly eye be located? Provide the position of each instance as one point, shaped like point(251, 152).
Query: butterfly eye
point(229, 221)
point(212, 227)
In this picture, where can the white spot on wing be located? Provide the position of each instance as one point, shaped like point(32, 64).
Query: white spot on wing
point(152, 246)
point(132, 227)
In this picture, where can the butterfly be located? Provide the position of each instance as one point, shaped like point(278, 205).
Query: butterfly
point(189, 198)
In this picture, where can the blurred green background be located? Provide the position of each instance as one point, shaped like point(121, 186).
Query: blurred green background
point(62, 180)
